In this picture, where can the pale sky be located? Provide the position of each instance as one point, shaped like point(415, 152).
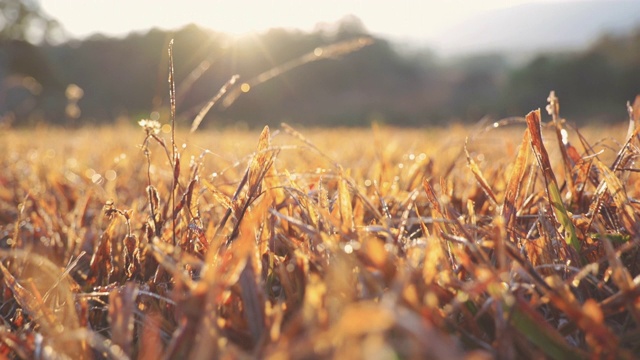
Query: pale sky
point(399, 19)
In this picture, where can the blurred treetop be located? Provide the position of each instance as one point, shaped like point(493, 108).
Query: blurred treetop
point(25, 20)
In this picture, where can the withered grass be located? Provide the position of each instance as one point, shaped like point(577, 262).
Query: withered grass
point(519, 242)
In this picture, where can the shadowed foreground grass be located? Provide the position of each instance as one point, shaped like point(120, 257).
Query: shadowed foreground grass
point(380, 243)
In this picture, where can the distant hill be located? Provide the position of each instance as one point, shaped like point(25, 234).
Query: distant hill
point(539, 27)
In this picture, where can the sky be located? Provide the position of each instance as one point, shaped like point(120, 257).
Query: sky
point(397, 19)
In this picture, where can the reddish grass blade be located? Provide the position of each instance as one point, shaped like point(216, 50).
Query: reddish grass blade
point(151, 347)
point(553, 192)
point(514, 184)
point(122, 306)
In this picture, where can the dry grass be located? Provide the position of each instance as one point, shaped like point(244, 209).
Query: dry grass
point(380, 243)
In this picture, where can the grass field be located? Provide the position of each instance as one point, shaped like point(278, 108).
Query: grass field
point(460, 242)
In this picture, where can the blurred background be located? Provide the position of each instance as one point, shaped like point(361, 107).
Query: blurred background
point(73, 62)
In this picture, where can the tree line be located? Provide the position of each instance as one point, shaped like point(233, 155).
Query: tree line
point(126, 78)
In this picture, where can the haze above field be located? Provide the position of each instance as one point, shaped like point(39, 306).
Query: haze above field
point(449, 27)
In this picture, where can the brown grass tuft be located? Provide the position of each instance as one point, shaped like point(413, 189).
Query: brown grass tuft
point(340, 244)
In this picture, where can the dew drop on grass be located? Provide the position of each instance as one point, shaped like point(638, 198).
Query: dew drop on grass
point(390, 248)
point(348, 249)
point(565, 136)
point(290, 267)
point(462, 297)
point(431, 300)
point(110, 175)
point(47, 351)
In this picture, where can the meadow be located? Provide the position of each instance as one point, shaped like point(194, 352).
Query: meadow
point(506, 240)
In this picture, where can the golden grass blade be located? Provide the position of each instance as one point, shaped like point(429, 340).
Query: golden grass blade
point(175, 156)
point(435, 206)
point(253, 302)
point(172, 93)
point(261, 161)
point(55, 316)
point(328, 52)
point(218, 196)
point(296, 134)
point(480, 179)
point(346, 209)
point(620, 276)
point(153, 198)
point(438, 213)
point(205, 110)
point(27, 300)
point(257, 170)
point(622, 159)
point(614, 187)
point(379, 319)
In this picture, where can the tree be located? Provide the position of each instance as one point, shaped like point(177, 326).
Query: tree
point(29, 89)
point(25, 20)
